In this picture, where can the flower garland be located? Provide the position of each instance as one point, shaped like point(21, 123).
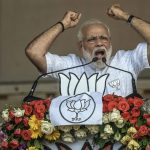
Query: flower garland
point(124, 121)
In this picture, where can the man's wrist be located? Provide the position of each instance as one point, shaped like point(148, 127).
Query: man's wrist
point(129, 20)
point(62, 25)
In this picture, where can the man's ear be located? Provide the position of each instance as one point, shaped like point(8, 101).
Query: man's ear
point(80, 45)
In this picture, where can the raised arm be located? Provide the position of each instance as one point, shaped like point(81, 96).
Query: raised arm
point(141, 26)
point(39, 46)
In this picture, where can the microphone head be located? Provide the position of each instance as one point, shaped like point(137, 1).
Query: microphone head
point(95, 59)
point(104, 59)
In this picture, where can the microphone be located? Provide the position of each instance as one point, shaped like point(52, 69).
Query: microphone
point(30, 96)
point(133, 80)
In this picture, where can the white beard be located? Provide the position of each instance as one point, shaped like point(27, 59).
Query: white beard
point(98, 64)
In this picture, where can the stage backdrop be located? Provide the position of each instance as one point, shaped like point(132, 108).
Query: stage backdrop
point(21, 20)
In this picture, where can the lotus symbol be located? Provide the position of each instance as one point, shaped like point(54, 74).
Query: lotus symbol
point(115, 84)
point(77, 106)
point(73, 85)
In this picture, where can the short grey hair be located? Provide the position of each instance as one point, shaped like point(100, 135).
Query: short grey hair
point(88, 23)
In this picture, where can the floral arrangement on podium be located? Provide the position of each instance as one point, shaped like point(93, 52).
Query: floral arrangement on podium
point(124, 121)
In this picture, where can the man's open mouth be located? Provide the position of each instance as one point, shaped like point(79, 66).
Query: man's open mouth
point(99, 53)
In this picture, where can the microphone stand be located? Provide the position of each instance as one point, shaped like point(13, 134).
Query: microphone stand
point(30, 96)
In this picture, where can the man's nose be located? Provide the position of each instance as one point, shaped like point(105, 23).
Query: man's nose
point(98, 42)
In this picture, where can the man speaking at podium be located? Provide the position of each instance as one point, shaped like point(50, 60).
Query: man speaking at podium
point(95, 41)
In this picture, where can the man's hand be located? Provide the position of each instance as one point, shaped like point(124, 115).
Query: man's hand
point(71, 19)
point(116, 12)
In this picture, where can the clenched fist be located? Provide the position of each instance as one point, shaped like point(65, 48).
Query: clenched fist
point(116, 12)
point(71, 19)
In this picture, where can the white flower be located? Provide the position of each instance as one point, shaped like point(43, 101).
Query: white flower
point(65, 128)
point(5, 115)
point(126, 139)
point(47, 127)
point(120, 122)
point(108, 129)
point(18, 112)
point(104, 136)
point(133, 145)
point(93, 129)
point(80, 134)
point(76, 127)
point(114, 116)
point(117, 136)
point(67, 137)
point(105, 118)
point(131, 131)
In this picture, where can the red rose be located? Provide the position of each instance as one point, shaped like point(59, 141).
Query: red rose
point(4, 144)
point(132, 120)
point(28, 109)
point(17, 132)
point(123, 106)
point(14, 144)
point(146, 116)
point(40, 108)
point(108, 97)
point(47, 102)
point(135, 112)
point(26, 135)
point(138, 102)
point(39, 102)
point(18, 120)
point(9, 127)
point(143, 130)
point(126, 115)
point(105, 108)
point(11, 114)
point(112, 105)
point(148, 121)
point(121, 99)
point(136, 136)
point(25, 121)
point(131, 101)
point(32, 103)
point(117, 99)
point(39, 116)
point(136, 126)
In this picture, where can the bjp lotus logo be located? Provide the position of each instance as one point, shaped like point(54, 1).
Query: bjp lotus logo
point(73, 85)
point(79, 104)
point(115, 84)
point(78, 108)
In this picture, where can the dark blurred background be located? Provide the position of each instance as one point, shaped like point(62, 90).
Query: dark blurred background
point(22, 20)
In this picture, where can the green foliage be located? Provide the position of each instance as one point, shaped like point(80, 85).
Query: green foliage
point(38, 145)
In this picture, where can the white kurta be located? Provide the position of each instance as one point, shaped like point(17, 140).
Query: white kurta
point(118, 82)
